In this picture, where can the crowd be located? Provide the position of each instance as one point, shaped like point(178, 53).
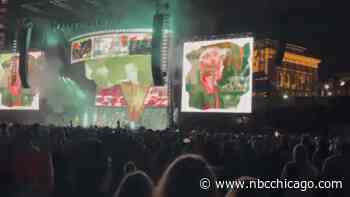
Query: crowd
point(50, 161)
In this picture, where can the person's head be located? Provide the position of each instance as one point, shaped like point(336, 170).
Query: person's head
point(129, 167)
point(136, 184)
point(4, 131)
point(240, 192)
point(345, 148)
point(322, 144)
point(23, 140)
point(300, 153)
point(305, 140)
point(211, 68)
point(184, 176)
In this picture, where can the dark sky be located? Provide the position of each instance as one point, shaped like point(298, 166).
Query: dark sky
point(322, 27)
point(319, 25)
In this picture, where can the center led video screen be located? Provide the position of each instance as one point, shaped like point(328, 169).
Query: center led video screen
point(12, 95)
point(217, 76)
point(120, 65)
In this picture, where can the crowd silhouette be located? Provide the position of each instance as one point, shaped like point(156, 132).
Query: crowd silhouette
point(52, 161)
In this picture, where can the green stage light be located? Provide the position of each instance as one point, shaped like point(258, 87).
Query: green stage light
point(52, 39)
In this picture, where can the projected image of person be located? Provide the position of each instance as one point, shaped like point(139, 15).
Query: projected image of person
point(103, 46)
point(124, 44)
point(81, 50)
point(216, 76)
point(211, 68)
point(12, 95)
point(134, 94)
point(131, 71)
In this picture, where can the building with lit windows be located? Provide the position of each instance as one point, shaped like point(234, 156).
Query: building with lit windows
point(297, 75)
point(337, 85)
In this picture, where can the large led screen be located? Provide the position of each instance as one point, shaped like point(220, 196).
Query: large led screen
point(12, 95)
point(217, 76)
point(110, 45)
point(120, 65)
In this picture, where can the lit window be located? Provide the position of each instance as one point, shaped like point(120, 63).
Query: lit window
point(342, 83)
point(326, 86)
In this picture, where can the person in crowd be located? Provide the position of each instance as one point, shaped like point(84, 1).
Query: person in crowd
point(32, 164)
point(135, 184)
point(336, 168)
point(306, 141)
point(299, 169)
point(321, 153)
point(60, 158)
point(129, 167)
point(90, 167)
point(76, 161)
point(5, 161)
point(244, 192)
point(183, 176)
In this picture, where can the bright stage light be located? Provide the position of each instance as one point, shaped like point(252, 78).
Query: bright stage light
point(326, 86)
point(342, 83)
point(285, 96)
point(52, 39)
point(277, 134)
point(330, 93)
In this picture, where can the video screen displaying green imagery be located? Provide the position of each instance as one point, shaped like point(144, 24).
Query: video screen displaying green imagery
point(81, 50)
point(217, 76)
point(110, 45)
point(120, 65)
point(12, 95)
point(108, 72)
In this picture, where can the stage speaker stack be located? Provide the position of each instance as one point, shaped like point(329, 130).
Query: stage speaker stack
point(3, 23)
point(24, 39)
point(156, 49)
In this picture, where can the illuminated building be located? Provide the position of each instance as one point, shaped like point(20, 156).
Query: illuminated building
point(338, 85)
point(297, 75)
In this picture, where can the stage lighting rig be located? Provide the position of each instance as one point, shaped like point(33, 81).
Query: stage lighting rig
point(94, 3)
point(62, 4)
point(32, 8)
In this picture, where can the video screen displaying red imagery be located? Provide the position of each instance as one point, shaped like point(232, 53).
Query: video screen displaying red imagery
point(156, 97)
point(12, 95)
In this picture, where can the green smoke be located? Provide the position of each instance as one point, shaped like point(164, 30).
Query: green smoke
point(67, 97)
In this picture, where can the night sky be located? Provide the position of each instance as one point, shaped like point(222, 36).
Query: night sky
point(322, 27)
